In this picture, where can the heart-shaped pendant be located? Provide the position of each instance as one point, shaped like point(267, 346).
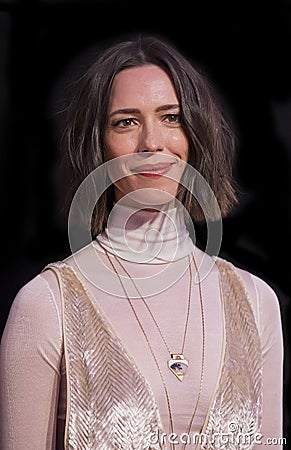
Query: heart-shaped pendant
point(178, 365)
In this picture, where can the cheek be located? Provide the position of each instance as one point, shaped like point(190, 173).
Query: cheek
point(118, 146)
point(179, 144)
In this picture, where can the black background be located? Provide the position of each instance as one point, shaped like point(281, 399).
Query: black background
point(245, 48)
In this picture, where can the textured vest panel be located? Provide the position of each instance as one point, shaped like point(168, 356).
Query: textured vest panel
point(234, 418)
point(110, 405)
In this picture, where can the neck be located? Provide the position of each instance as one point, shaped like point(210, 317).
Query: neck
point(147, 235)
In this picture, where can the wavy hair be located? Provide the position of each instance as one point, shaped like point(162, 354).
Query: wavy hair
point(210, 137)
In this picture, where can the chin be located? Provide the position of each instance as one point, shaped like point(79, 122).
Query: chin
point(147, 197)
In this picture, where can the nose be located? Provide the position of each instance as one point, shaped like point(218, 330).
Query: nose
point(151, 139)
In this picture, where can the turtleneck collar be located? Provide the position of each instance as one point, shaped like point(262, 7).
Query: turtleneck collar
point(147, 236)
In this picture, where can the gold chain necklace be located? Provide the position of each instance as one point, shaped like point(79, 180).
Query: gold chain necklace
point(184, 338)
point(177, 363)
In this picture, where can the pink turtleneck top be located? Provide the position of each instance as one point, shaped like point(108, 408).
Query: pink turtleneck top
point(33, 381)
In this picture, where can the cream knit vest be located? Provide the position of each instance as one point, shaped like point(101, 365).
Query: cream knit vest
point(109, 410)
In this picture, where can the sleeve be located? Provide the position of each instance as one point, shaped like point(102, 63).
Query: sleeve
point(30, 360)
point(270, 329)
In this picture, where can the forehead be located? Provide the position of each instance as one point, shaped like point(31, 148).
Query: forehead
point(143, 84)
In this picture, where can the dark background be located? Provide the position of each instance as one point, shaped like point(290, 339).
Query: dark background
point(245, 48)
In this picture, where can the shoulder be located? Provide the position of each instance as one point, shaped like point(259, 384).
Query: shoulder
point(262, 296)
point(38, 298)
point(34, 291)
point(35, 315)
point(267, 309)
point(261, 292)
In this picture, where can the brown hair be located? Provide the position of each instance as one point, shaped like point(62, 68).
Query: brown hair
point(210, 136)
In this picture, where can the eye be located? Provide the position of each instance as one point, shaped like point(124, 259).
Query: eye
point(172, 118)
point(124, 123)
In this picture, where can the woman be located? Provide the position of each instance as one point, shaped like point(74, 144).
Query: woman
point(140, 339)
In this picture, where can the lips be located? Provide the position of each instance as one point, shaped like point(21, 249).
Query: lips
point(153, 170)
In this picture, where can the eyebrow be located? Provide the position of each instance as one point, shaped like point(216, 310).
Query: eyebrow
point(137, 111)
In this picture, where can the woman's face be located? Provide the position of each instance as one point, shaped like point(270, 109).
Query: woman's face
point(143, 127)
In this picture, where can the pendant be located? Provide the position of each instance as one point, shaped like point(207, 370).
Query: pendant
point(178, 365)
